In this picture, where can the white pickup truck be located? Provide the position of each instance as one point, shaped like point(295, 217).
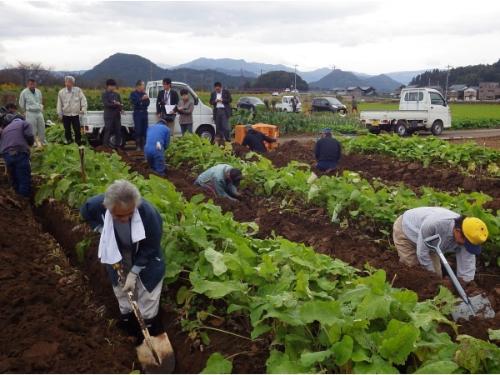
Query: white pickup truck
point(419, 109)
point(203, 123)
point(286, 104)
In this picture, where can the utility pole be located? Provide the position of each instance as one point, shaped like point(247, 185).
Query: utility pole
point(295, 84)
point(447, 77)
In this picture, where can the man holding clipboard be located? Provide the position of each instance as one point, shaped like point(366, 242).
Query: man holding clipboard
point(166, 103)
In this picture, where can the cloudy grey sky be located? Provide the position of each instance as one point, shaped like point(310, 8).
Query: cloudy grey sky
point(359, 35)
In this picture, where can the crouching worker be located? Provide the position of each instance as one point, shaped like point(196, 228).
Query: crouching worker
point(254, 140)
point(157, 141)
point(221, 180)
point(327, 151)
point(16, 138)
point(460, 235)
point(131, 231)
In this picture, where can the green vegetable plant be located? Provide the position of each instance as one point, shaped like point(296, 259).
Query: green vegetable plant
point(322, 314)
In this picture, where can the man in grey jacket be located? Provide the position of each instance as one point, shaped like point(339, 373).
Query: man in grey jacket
point(31, 102)
point(460, 235)
point(71, 104)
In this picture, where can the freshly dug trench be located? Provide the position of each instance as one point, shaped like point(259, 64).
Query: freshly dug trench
point(51, 321)
point(191, 357)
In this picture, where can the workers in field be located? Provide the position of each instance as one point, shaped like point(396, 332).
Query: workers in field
point(157, 141)
point(16, 138)
point(255, 139)
point(327, 151)
point(222, 180)
point(31, 103)
point(460, 235)
point(131, 231)
point(140, 102)
point(71, 104)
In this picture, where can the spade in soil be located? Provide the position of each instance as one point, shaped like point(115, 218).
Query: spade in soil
point(471, 306)
point(155, 354)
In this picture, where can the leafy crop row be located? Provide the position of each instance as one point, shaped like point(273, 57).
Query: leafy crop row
point(348, 198)
point(320, 313)
point(468, 156)
point(295, 123)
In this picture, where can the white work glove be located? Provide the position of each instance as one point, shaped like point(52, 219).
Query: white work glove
point(130, 282)
point(158, 146)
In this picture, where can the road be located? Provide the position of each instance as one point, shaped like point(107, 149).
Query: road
point(448, 134)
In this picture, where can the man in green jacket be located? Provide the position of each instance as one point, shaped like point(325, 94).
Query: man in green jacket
point(31, 103)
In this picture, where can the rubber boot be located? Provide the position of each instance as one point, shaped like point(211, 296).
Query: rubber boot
point(129, 324)
point(155, 328)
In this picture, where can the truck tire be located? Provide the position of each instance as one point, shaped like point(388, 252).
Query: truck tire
point(374, 130)
point(342, 113)
point(437, 127)
point(206, 131)
point(401, 128)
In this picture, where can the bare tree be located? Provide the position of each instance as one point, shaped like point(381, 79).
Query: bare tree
point(20, 73)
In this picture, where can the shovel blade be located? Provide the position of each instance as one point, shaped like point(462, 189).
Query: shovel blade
point(164, 349)
point(481, 306)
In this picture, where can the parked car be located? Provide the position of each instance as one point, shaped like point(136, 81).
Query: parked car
point(250, 102)
point(203, 122)
point(276, 93)
point(286, 104)
point(328, 104)
point(419, 109)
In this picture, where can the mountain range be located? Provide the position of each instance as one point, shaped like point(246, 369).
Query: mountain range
point(235, 73)
point(127, 69)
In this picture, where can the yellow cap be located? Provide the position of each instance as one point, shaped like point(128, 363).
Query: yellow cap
point(475, 230)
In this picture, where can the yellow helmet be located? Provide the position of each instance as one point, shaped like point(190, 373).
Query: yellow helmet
point(475, 232)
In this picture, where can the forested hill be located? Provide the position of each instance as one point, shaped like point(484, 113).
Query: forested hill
point(470, 75)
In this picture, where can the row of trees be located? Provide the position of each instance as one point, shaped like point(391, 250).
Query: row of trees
point(20, 73)
point(470, 75)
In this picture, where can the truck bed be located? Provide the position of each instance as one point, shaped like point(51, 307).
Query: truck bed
point(393, 115)
point(96, 119)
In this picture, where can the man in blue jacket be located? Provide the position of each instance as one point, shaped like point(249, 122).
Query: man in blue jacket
point(157, 141)
point(140, 102)
point(16, 138)
point(131, 231)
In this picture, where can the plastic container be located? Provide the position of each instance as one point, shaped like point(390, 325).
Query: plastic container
point(269, 130)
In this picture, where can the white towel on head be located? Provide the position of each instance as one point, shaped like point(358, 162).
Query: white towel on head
point(109, 253)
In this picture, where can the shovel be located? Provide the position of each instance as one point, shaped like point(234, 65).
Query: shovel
point(155, 354)
point(475, 306)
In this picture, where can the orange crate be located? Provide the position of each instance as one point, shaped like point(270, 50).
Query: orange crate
point(269, 130)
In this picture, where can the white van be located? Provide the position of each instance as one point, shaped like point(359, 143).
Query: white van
point(203, 123)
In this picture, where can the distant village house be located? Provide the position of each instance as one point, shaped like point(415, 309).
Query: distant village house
point(489, 91)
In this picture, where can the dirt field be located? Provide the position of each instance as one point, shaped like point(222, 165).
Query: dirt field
point(51, 320)
point(311, 225)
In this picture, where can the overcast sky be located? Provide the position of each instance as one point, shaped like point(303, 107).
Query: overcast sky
point(358, 35)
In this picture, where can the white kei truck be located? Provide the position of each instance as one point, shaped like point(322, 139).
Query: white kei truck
point(419, 109)
point(203, 122)
point(286, 104)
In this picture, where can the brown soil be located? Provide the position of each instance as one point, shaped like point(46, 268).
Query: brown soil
point(190, 356)
point(311, 226)
point(50, 319)
point(392, 171)
point(492, 142)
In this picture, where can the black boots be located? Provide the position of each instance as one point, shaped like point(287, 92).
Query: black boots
point(129, 324)
point(154, 325)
